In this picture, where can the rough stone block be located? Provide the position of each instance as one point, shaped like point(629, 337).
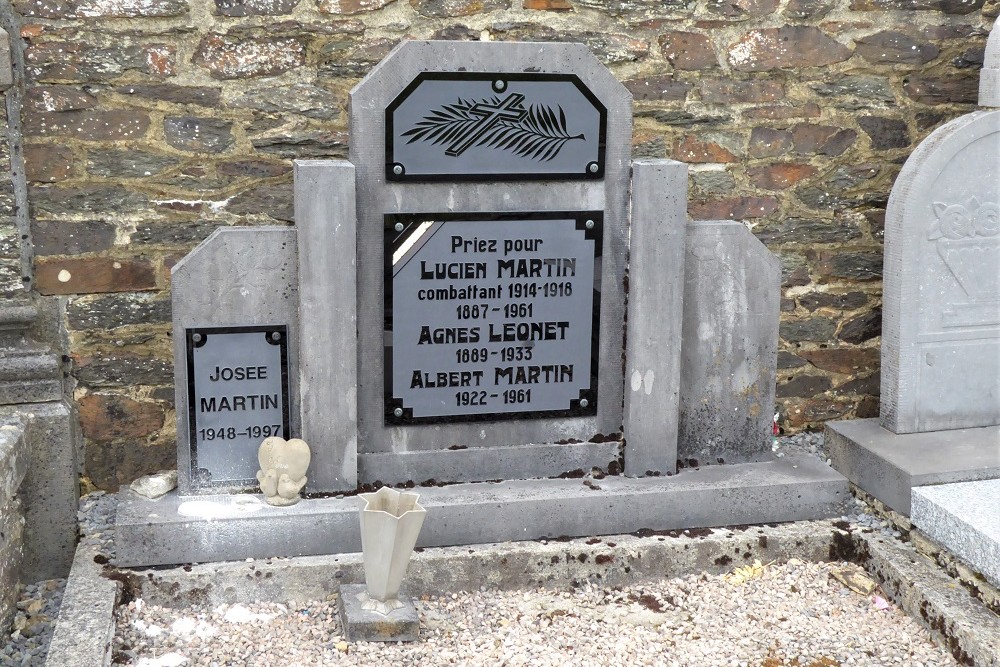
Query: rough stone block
point(50, 488)
point(13, 457)
point(888, 465)
point(941, 328)
point(729, 348)
point(360, 625)
point(965, 519)
point(6, 71)
point(655, 311)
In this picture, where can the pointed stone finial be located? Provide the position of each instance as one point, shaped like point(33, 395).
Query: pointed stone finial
point(989, 78)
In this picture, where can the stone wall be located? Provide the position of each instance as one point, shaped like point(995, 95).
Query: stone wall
point(148, 123)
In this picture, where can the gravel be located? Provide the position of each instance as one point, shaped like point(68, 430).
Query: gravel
point(791, 614)
point(793, 611)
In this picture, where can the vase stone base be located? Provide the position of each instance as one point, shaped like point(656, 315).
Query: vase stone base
point(361, 625)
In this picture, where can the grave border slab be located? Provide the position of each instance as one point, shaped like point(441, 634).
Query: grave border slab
point(151, 532)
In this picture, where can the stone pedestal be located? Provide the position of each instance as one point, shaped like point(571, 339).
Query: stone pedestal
point(360, 625)
point(888, 465)
point(31, 391)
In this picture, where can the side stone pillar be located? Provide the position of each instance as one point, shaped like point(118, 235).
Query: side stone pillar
point(31, 388)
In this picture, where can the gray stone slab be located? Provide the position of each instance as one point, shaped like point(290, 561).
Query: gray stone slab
point(152, 532)
point(400, 625)
point(941, 291)
point(888, 465)
point(50, 488)
point(377, 197)
point(953, 617)
point(253, 276)
point(326, 224)
point(655, 311)
point(86, 623)
point(965, 519)
point(6, 70)
point(729, 349)
point(490, 463)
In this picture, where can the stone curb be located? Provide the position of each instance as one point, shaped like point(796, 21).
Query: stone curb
point(955, 618)
point(615, 560)
point(86, 623)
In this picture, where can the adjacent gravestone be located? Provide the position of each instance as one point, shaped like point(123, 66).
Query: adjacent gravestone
point(940, 408)
point(492, 204)
point(235, 323)
point(941, 322)
point(732, 291)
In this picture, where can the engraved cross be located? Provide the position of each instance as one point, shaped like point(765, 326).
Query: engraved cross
point(489, 115)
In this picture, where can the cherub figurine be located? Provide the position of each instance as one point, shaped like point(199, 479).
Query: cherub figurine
point(283, 465)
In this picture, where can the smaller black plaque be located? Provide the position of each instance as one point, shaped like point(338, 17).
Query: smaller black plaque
point(470, 126)
point(237, 397)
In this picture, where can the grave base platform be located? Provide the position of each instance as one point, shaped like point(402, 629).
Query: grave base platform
point(888, 465)
point(175, 529)
point(361, 625)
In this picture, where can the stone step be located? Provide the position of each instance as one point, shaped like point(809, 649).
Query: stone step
point(187, 529)
point(888, 465)
point(965, 519)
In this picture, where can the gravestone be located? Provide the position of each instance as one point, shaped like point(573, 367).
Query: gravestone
point(454, 308)
point(235, 331)
point(492, 210)
point(940, 403)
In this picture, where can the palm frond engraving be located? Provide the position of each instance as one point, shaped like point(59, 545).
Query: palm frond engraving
point(537, 132)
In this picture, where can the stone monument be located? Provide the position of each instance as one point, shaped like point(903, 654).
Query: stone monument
point(940, 408)
point(480, 338)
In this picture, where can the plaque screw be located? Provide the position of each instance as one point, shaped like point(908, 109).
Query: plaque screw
point(499, 85)
point(398, 412)
point(584, 402)
point(275, 336)
point(196, 337)
point(398, 227)
point(397, 169)
point(589, 225)
point(593, 167)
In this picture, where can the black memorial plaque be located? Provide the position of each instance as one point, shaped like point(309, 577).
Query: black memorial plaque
point(491, 316)
point(490, 126)
point(237, 397)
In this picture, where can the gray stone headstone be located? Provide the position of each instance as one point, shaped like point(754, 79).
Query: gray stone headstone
point(941, 312)
point(236, 278)
point(538, 439)
point(729, 347)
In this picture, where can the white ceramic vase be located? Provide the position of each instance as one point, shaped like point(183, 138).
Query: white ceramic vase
point(390, 523)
